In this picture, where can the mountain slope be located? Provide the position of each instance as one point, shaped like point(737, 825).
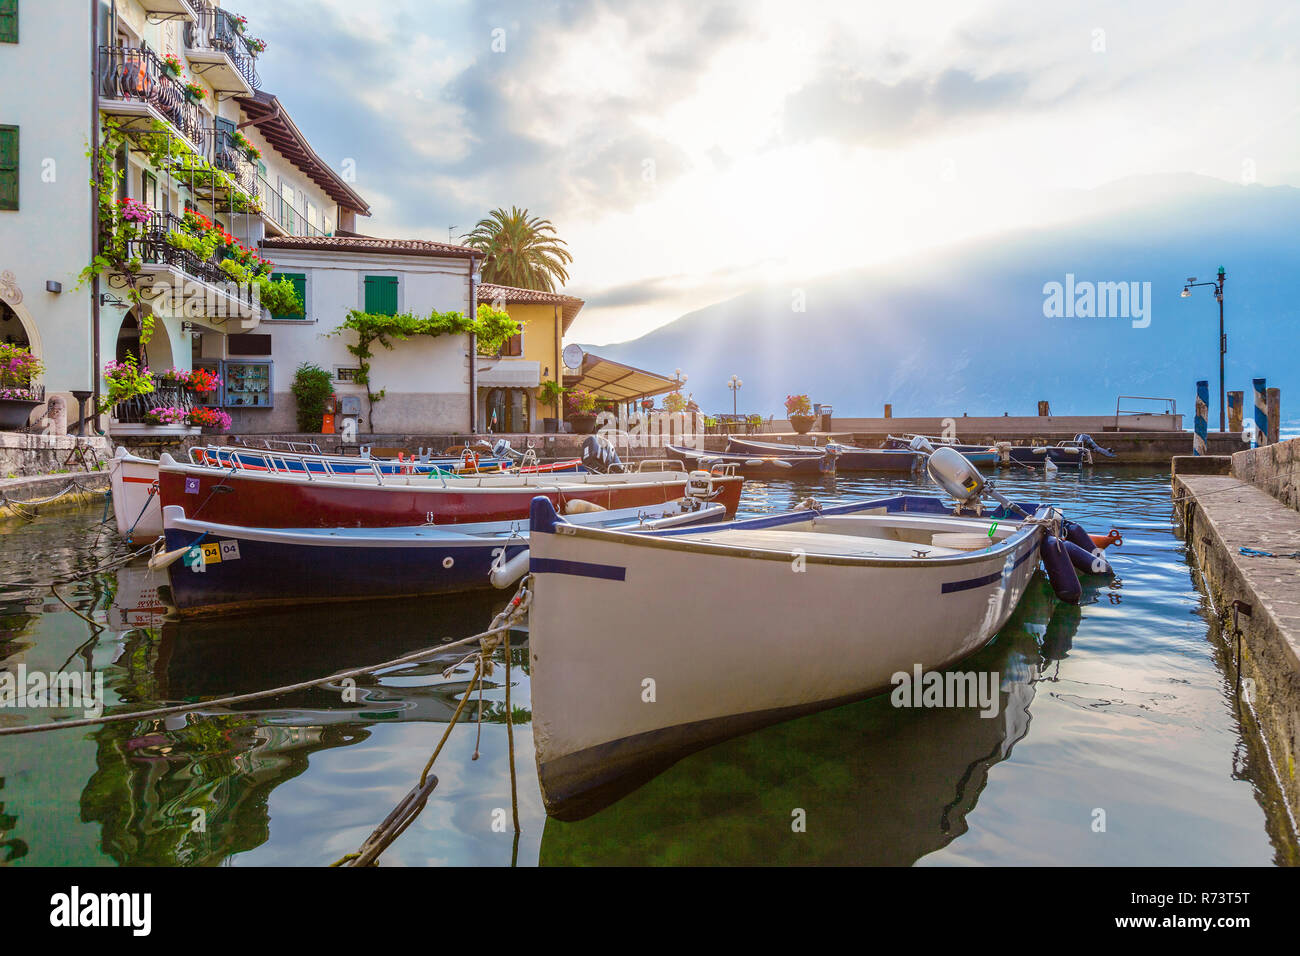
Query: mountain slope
point(963, 330)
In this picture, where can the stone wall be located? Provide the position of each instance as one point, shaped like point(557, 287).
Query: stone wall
point(1273, 468)
point(24, 454)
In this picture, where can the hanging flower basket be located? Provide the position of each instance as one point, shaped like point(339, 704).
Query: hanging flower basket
point(172, 66)
point(195, 93)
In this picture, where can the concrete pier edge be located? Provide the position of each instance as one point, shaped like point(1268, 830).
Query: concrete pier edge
point(1221, 510)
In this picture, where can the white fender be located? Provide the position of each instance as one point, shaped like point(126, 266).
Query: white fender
point(506, 575)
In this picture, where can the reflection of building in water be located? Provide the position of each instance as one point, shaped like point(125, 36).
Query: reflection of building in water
point(136, 603)
point(194, 789)
point(195, 792)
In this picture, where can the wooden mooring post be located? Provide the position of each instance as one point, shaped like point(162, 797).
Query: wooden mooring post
point(1202, 417)
point(1236, 404)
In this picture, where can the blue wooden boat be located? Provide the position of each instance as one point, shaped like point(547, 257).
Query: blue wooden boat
point(757, 464)
point(850, 457)
point(216, 568)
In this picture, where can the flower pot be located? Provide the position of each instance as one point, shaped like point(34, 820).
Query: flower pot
point(583, 423)
point(14, 412)
point(550, 426)
point(194, 98)
point(802, 423)
point(172, 71)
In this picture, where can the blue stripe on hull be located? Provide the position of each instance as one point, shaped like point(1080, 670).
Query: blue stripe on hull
point(583, 569)
point(954, 586)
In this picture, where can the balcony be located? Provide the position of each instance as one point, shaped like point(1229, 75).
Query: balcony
point(218, 51)
point(172, 273)
point(135, 87)
point(281, 215)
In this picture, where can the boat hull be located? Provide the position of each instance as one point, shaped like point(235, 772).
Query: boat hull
point(264, 500)
point(784, 644)
point(761, 465)
point(849, 459)
point(136, 507)
point(242, 571)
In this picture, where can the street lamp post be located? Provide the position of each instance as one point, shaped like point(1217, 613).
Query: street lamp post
point(735, 384)
point(1217, 284)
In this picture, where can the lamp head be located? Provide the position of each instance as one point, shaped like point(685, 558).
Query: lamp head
point(1187, 293)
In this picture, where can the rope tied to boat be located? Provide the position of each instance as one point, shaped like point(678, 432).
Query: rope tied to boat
point(413, 803)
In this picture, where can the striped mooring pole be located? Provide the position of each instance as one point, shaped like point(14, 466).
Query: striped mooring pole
point(1260, 436)
point(1202, 414)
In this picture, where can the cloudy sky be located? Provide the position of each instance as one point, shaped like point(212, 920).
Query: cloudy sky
point(691, 150)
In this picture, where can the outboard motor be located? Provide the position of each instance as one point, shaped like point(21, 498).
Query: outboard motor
point(1087, 442)
point(598, 454)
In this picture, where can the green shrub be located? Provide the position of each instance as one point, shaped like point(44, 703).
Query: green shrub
point(312, 387)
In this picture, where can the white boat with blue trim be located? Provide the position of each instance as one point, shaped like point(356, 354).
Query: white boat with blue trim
point(646, 647)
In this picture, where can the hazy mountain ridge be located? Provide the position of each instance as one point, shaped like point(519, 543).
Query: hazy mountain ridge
point(962, 330)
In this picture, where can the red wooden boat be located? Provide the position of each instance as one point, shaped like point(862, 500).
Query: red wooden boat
point(281, 500)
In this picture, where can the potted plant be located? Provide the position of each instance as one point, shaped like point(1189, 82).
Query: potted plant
point(194, 93)
point(799, 410)
point(125, 380)
point(18, 397)
point(211, 418)
point(166, 415)
point(172, 66)
point(549, 394)
point(581, 406)
point(256, 45)
point(202, 381)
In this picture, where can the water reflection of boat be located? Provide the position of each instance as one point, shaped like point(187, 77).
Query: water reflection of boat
point(136, 602)
point(877, 785)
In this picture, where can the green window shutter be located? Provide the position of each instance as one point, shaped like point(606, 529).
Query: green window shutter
point(8, 167)
point(381, 295)
point(8, 21)
point(299, 280)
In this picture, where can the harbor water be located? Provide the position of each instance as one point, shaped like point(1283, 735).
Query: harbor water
point(1118, 740)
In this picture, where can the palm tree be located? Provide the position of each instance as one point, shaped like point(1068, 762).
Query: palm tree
point(520, 250)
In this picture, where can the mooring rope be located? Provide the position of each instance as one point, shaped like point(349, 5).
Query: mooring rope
point(410, 806)
point(487, 639)
point(33, 502)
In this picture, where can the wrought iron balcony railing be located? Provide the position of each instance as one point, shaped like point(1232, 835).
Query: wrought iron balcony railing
point(226, 155)
point(139, 75)
point(218, 29)
point(149, 244)
point(288, 217)
point(132, 411)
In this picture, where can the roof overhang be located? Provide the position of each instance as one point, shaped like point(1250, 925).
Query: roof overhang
point(271, 119)
point(606, 378)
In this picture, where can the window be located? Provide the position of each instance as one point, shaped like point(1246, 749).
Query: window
point(8, 21)
point(513, 347)
point(381, 295)
point(8, 167)
point(299, 280)
point(149, 188)
point(345, 374)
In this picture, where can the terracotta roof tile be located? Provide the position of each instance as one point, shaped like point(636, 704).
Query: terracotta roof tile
point(489, 292)
point(352, 243)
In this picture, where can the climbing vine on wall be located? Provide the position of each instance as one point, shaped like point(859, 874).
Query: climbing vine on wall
point(492, 327)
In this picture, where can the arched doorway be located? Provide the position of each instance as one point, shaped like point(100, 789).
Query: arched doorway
point(12, 330)
point(507, 410)
point(155, 354)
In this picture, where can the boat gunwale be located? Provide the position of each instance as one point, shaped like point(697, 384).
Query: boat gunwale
point(448, 535)
point(429, 482)
point(676, 539)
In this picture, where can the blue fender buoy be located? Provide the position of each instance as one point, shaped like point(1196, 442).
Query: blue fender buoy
point(1073, 532)
point(1090, 561)
point(1060, 570)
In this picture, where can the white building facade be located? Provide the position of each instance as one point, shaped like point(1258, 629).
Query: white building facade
point(177, 80)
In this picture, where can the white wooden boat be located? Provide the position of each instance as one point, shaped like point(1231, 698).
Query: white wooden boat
point(134, 483)
point(645, 647)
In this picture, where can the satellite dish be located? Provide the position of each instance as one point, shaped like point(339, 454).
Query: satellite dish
point(573, 356)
